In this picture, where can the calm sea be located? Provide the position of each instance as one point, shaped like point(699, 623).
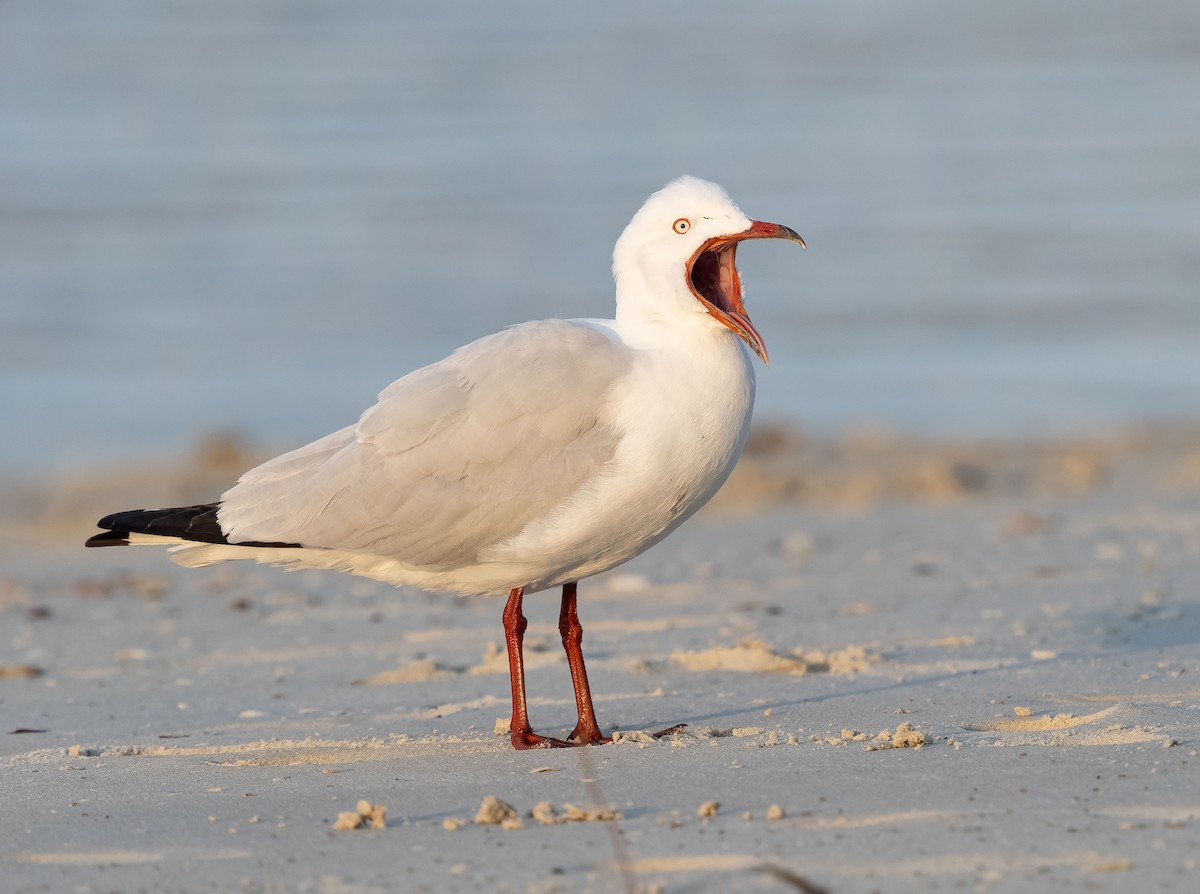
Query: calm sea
point(251, 215)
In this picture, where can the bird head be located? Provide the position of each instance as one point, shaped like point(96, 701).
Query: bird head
point(678, 254)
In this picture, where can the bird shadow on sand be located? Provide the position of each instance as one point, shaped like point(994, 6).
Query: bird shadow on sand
point(1146, 627)
point(914, 682)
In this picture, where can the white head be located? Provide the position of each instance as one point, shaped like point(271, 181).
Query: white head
point(678, 255)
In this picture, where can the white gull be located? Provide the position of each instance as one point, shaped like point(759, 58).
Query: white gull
point(529, 459)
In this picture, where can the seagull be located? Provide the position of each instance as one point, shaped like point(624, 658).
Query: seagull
point(529, 459)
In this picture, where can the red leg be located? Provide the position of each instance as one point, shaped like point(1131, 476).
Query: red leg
point(587, 730)
point(522, 733)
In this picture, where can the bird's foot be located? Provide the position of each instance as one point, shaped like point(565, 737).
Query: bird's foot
point(591, 736)
point(524, 740)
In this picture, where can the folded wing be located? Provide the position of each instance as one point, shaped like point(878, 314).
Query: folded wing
point(454, 458)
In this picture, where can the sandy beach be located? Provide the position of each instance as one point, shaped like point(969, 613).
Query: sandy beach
point(903, 665)
point(921, 662)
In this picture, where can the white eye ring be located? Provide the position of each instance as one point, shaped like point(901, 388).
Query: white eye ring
point(681, 226)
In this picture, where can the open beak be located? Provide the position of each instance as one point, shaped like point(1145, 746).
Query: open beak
point(713, 278)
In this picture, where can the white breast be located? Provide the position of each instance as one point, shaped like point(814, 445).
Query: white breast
point(685, 408)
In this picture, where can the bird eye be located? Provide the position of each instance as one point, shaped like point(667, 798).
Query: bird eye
point(681, 226)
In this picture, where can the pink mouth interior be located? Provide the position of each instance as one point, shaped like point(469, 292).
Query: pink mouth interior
point(713, 276)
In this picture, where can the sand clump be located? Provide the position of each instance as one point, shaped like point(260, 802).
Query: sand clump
point(417, 671)
point(905, 736)
point(494, 812)
point(28, 671)
point(637, 737)
point(1026, 728)
point(546, 814)
point(1026, 721)
point(365, 815)
point(752, 655)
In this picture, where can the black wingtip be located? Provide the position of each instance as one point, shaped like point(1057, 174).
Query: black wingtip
point(194, 523)
point(185, 522)
point(110, 522)
point(109, 538)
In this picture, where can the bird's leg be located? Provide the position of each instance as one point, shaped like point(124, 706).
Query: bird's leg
point(522, 733)
point(587, 730)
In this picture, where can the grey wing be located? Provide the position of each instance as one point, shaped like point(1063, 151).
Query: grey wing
point(454, 458)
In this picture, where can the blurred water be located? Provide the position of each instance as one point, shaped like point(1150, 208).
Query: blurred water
point(241, 214)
